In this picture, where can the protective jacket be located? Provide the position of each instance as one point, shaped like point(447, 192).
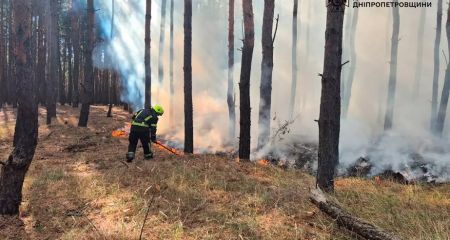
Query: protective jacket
point(145, 120)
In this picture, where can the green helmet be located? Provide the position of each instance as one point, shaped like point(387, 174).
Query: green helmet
point(159, 110)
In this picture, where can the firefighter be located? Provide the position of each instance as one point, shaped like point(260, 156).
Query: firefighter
point(143, 128)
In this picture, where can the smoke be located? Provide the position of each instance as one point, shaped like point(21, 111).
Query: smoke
point(361, 133)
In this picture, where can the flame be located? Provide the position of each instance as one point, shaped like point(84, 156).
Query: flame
point(263, 162)
point(122, 132)
point(167, 148)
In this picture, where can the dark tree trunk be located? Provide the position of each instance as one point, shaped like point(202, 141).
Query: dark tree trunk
point(25, 137)
point(351, 73)
point(112, 88)
point(69, 68)
point(53, 77)
point(393, 70)
point(330, 102)
point(230, 92)
point(12, 85)
point(61, 75)
point(419, 61)
point(3, 80)
point(76, 53)
point(88, 85)
point(265, 104)
point(172, 90)
point(446, 89)
point(188, 109)
point(244, 85)
point(435, 88)
point(148, 73)
point(294, 60)
point(162, 35)
point(42, 59)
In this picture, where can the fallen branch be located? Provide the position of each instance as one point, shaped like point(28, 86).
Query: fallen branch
point(346, 220)
point(146, 215)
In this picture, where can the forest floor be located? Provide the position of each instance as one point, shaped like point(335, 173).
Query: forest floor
point(78, 188)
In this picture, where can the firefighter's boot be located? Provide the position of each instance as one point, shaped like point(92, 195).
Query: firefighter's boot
point(130, 156)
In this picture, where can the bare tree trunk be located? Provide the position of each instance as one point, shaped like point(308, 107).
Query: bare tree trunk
point(230, 92)
point(393, 70)
point(88, 69)
point(13, 171)
point(69, 68)
point(61, 75)
point(244, 85)
point(12, 90)
point(76, 53)
point(446, 89)
point(53, 78)
point(172, 90)
point(351, 73)
point(162, 35)
point(112, 87)
point(265, 105)
point(3, 80)
point(148, 74)
point(294, 60)
point(330, 102)
point(419, 61)
point(437, 43)
point(188, 108)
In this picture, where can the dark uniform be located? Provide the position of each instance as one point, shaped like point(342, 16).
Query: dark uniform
point(143, 128)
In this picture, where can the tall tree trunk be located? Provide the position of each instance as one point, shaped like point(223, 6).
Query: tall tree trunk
point(419, 61)
point(330, 102)
point(12, 90)
point(244, 85)
point(265, 104)
point(188, 108)
point(162, 35)
point(42, 59)
point(294, 60)
point(88, 85)
point(53, 77)
point(351, 73)
point(25, 137)
point(76, 52)
point(3, 80)
point(60, 62)
point(113, 73)
point(172, 90)
point(393, 70)
point(148, 74)
point(435, 88)
point(446, 89)
point(69, 68)
point(230, 92)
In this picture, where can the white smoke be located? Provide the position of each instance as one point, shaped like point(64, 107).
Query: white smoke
point(360, 131)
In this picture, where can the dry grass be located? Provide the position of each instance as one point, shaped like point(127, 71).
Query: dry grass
point(77, 188)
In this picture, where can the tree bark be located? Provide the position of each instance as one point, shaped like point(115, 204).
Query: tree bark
point(393, 70)
point(112, 75)
point(88, 68)
point(76, 53)
point(53, 77)
point(294, 59)
point(162, 35)
point(148, 74)
point(265, 104)
point(440, 122)
point(330, 102)
point(12, 85)
point(344, 219)
point(351, 73)
point(188, 108)
point(3, 80)
point(435, 88)
point(230, 92)
point(244, 85)
point(25, 137)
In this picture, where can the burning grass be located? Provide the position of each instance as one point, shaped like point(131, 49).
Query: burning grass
point(89, 194)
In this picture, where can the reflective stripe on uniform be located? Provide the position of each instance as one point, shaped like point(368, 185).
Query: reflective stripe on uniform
point(139, 124)
point(154, 125)
point(148, 118)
